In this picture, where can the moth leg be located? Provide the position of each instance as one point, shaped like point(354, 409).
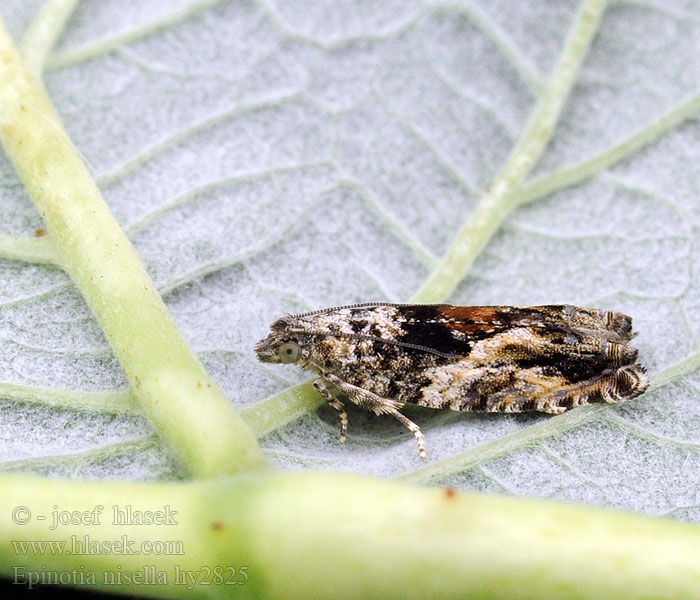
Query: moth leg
point(322, 387)
point(379, 406)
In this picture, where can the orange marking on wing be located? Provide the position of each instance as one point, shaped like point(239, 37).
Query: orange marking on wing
point(472, 313)
point(471, 319)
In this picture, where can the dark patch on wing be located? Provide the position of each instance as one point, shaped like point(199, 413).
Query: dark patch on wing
point(573, 367)
point(422, 328)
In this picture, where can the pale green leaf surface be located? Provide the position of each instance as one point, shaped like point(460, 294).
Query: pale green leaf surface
point(271, 157)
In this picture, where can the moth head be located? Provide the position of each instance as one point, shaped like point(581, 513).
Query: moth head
point(281, 346)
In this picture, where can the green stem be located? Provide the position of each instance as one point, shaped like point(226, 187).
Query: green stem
point(184, 404)
point(551, 182)
point(74, 461)
point(275, 411)
point(500, 199)
point(321, 535)
point(42, 34)
point(116, 403)
point(109, 44)
point(262, 417)
point(32, 250)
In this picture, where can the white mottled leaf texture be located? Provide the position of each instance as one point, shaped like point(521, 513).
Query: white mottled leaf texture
point(268, 157)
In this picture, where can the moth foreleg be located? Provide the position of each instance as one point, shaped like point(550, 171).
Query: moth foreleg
point(323, 387)
point(379, 406)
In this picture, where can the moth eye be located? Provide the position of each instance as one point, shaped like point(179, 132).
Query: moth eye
point(289, 352)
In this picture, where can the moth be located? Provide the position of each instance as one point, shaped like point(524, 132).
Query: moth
point(505, 359)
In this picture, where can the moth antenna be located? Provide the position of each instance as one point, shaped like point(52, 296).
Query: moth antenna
point(427, 349)
point(359, 336)
point(323, 311)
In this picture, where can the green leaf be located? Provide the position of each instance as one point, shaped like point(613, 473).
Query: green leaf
point(267, 158)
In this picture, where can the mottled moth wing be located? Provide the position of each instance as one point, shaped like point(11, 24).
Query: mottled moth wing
point(543, 358)
point(468, 358)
